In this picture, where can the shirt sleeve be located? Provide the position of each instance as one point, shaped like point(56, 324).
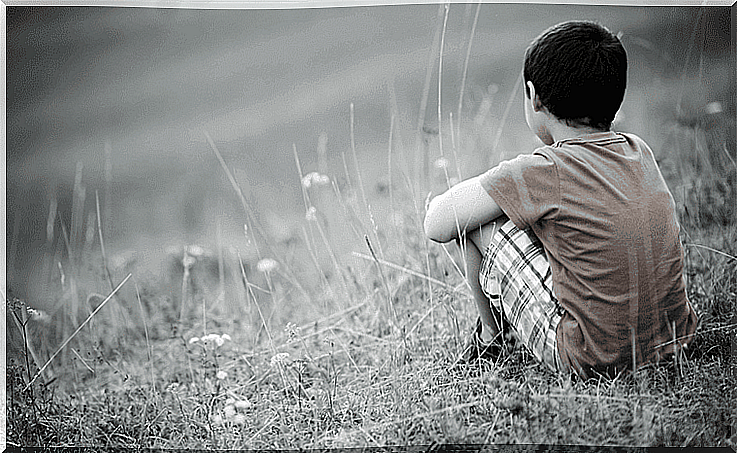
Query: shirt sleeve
point(527, 188)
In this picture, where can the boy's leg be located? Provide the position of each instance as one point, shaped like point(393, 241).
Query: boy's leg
point(515, 274)
point(489, 315)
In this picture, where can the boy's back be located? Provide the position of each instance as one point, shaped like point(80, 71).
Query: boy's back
point(606, 219)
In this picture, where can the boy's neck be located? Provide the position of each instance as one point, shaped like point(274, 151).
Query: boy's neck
point(560, 131)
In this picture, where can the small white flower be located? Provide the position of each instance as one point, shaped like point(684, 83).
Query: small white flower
point(195, 250)
point(293, 330)
point(219, 341)
point(307, 180)
point(242, 404)
point(239, 419)
point(322, 180)
point(714, 107)
point(208, 338)
point(221, 375)
point(229, 411)
point(225, 336)
point(441, 163)
point(280, 358)
point(311, 214)
point(267, 265)
point(315, 178)
point(193, 340)
point(188, 261)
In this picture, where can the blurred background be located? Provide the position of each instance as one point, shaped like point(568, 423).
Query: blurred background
point(115, 105)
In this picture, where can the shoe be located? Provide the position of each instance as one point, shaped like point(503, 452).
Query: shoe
point(477, 349)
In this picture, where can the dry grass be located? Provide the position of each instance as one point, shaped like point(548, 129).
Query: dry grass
point(349, 378)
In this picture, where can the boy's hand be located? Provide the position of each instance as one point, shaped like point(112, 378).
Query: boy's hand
point(464, 207)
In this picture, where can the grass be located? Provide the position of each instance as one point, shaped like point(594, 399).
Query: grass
point(351, 376)
point(228, 351)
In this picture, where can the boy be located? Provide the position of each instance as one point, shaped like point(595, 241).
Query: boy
point(576, 246)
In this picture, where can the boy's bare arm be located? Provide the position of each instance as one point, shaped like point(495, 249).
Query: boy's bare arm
point(462, 208)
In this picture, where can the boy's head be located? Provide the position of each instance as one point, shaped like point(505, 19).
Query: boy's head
point(579, 71)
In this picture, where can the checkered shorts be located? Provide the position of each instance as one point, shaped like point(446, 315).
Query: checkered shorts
point(516, 268)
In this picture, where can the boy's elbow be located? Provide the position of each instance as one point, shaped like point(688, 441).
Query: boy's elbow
point(430, 230)
point(433, 225)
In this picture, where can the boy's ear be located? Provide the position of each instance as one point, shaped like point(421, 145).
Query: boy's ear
point(536, 104)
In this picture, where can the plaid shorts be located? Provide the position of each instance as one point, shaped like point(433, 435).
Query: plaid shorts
point(516, 268)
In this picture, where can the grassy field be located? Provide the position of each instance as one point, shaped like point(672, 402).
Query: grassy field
point(293, 342)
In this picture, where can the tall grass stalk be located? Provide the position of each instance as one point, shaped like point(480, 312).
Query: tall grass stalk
point(255, 302)
point(53, 356)
point(390, 302)
point(366, 204)
point(313, 256)
point(422, 161)
point(686, 61)
point(78, 199)
point(465, 70)
point(347, 211)
point(186, 264)
point(145, 331)
point(440, 91)
point(355, 157)
point(505, 115)
point(251, 218)
point(309, 238)
point(311, 214)
point(105, 266)
point(406, 271)
point(108, 188)
point(21, 323)
point(727, 255)
point(389, 168)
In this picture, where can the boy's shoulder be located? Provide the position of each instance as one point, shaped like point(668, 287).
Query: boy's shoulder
point(622, 143)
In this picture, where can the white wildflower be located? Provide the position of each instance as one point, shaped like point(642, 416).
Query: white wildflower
point(280, 358)
point(714, 108)
point(239, 419)
point(322, 180)
point(315, 178)
point(267, 265)
point(195, 250)
point(307, 180)
point(229, 411)
point(193, 340)
point(441, 163)
point(209, 338)
point(293, 330)
point(311, 214)
point(188, 260)
point(221, 375)
point(225, 336)
point(242, 404)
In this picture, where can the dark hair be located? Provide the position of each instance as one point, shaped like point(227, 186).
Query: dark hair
point(579, 70)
